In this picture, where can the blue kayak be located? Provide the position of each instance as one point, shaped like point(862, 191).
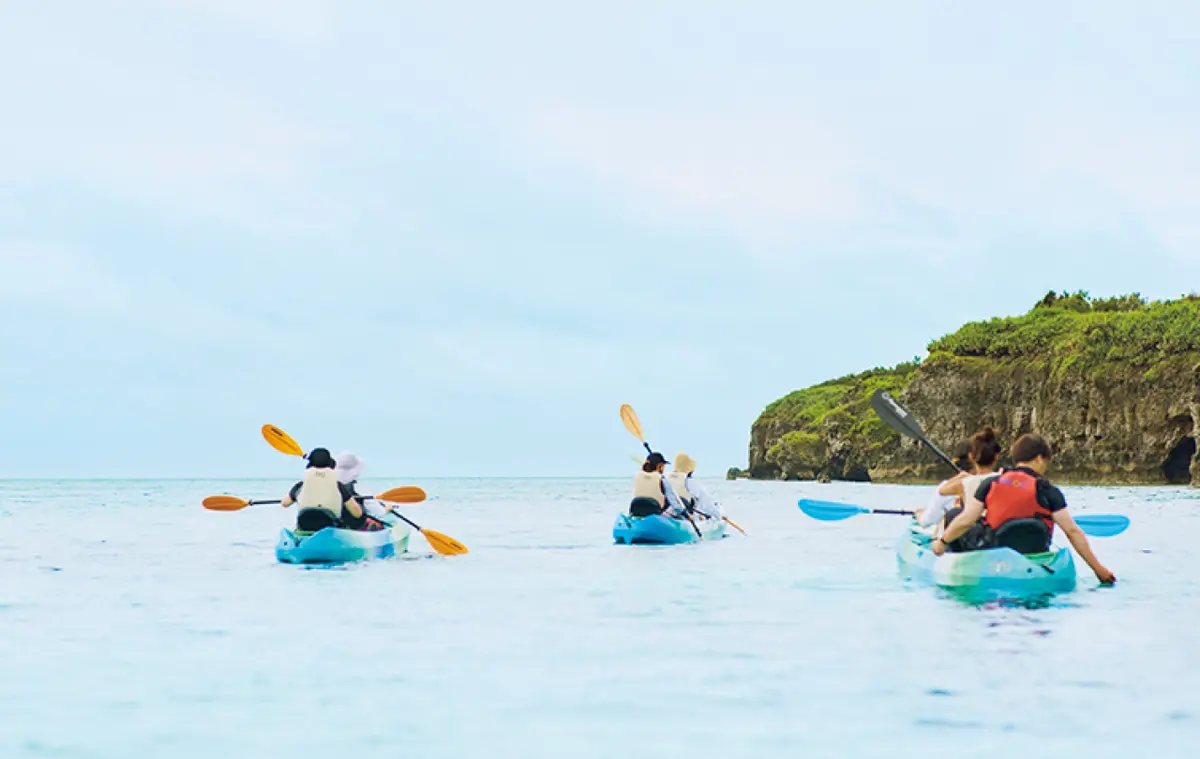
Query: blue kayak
point(659, 530)
point(991, 572)
point(334, 545)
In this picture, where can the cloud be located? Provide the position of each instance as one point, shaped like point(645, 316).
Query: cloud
point(296, 21)
point(765, 174)
point(40, 274)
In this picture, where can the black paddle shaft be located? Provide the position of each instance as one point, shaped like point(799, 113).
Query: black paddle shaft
point(898, 418)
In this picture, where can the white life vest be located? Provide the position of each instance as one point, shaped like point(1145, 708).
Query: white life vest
point(649, 485)
point(320, 491)
point(678, 482)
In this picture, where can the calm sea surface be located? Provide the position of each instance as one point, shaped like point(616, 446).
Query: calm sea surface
point(133, 623)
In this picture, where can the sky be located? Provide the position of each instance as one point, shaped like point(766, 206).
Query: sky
point(455, 237)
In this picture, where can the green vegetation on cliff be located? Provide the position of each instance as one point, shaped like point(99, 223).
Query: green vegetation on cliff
point(831, 421)
point(1075, 328)
point(1069, 351)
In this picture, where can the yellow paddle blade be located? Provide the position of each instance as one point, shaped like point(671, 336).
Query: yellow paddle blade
point(443, 544)
point(224, 503)
point(281, 441)
point(406, 494)
point(631, 422)
point(733, 524)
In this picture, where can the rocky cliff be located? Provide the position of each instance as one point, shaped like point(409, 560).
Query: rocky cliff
point(1113, 384)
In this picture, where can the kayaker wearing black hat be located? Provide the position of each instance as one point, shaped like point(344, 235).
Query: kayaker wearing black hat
point(323, 501)
point(650, 493)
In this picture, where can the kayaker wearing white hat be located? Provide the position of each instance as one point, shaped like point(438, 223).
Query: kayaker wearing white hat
point(650, 494)
point(323, 500)
point(349, 469)
point(694, 497)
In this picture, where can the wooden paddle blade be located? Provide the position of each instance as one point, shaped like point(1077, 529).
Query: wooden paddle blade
point(444, 544)
point(281, 441)
point(224, 503)
point(406, 494)
point(631, 422)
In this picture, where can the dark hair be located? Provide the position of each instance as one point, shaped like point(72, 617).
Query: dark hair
point(961, 452)
point(985, 448)
point(320, 458)
point(648, 467)
point(1029, 447)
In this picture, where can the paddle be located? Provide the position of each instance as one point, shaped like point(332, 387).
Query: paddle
point(443, 544)
point(1097, 525)
point(898, 418)
point(406, 494)
point(281, 441)
point(630, 419)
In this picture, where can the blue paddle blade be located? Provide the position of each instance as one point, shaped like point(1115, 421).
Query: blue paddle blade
point(1102, 525)
point(828, 511)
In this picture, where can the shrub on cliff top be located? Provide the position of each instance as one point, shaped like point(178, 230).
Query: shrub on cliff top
point(1126, 328)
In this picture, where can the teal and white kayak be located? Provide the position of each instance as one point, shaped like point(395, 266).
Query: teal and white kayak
point(991, 572)
point(333, 545)
point(660, 530)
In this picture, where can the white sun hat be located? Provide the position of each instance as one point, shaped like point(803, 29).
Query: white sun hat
point(349, 467)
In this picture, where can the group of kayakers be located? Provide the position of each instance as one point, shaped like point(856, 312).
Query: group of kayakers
point(676, 495)
point(985, 506)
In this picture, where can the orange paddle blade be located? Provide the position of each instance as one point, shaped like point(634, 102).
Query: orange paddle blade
point(224, 503)
point(733, 524)
point(631, 422)
point(406, 494)
point(281, 441)
point(443, 544)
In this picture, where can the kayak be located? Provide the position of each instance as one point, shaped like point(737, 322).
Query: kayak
point(660, 530)
point(334, 545)
point(992, 571)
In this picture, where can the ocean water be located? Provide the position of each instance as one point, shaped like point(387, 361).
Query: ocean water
point(133, 623)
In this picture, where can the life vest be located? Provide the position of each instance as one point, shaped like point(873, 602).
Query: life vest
point(649, 485)
point(319, 490)
point(678, 482)
point(1013, 495)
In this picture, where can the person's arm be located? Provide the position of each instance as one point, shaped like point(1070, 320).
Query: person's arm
point(1080, 543)
point(969, 516)
point(674, 507)
point(349, 502)
point(953, 486)
point(290, 498)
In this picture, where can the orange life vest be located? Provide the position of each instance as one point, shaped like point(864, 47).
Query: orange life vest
point(1013, 495)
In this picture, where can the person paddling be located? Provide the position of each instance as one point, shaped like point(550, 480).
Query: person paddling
point(933, 514)
point(985, 461)
point(690, 493)
point(349, 469)
point(651, 495)
point(323, 501)
point(1019, 508)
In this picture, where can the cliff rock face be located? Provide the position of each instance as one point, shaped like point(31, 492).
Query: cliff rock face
point(1113, 385)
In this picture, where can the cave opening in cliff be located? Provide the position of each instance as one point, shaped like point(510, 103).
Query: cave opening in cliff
point(1178, 466)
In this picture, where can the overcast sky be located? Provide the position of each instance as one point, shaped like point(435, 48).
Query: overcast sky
point(455, 237)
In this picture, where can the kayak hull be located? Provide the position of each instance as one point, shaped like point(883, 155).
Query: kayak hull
point(991, 572)
point(663, 531)
point(337, 546)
